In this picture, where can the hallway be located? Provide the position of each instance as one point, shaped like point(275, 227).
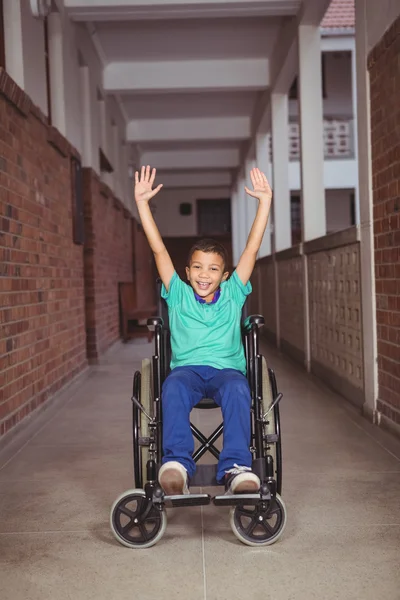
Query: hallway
point(61, 474)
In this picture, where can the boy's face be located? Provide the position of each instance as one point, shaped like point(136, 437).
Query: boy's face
point(205, 273)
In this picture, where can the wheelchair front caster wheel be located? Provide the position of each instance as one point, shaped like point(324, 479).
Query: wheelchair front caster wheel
point(258, 526)
point(135, 521)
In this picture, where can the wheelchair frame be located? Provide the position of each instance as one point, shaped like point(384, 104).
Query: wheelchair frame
point(262, 464)
point(150, 501)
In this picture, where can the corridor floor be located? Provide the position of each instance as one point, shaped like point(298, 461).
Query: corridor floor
point(60, 476)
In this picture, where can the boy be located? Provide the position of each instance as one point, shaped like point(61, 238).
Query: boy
point(207, 353)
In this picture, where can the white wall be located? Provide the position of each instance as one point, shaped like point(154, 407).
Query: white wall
point(379, 19)
point(337, 174)
point(167, 217)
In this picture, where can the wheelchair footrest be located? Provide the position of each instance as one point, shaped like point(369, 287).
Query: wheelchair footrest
point(237, 499)
point(187, 500)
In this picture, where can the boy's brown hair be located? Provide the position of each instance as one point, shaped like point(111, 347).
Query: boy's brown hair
point(209, 245)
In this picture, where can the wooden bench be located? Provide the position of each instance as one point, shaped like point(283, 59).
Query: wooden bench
point(131, 312)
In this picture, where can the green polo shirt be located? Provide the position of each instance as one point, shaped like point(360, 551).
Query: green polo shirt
point(206, 334)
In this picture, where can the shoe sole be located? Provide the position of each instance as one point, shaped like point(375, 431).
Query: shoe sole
point(245, 487)
point(172, 482)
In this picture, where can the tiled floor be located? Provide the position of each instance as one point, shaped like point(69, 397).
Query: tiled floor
point(61, 475)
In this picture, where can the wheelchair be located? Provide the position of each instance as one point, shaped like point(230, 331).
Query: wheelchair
point(138, 516)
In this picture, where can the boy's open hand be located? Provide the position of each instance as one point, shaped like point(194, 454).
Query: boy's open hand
point(261, 188)
point(144, 185)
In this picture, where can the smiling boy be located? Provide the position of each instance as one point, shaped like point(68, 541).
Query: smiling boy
point(207, 353)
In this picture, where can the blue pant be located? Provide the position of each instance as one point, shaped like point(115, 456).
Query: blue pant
point(182, 390)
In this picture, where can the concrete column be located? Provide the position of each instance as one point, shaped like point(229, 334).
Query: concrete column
point(368, 298)
point(243, 231)
point(311, 128)
point(87, 154)
point(56, 59)
point(251, 203)
point(280, 168)
point(235, 225)
point(355, 128)
point(13, 41)
point(263, 161)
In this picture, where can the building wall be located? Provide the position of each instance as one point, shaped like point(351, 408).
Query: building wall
point(338, 210)
point(337, 101)
point(166, 205)
point(383, 64)
point(108, 260)
point(59, 303)
point(71, 50)
point(42, 316)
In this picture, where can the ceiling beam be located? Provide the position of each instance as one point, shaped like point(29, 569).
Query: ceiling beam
point(161, 130)
point(116, 10)
point(186, 75)
point(167, 160)
point(189, 179)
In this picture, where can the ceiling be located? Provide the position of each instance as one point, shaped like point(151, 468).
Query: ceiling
point(193, 77)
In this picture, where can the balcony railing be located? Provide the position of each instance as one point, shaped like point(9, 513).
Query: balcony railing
point(338, 139)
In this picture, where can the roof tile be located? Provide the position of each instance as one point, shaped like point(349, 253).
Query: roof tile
point(340, 15)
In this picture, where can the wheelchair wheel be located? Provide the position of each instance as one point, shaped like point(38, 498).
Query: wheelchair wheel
point(273, 426)
point(141, 430)
point(134, 522)
point(257, 527)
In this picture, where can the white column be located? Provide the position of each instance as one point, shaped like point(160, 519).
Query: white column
point(355, 129)
point(366, 215)
point(56, 59)
point(87, 155)
point(235, 225)
point(242, 216)
point(263, 161)
point(251, 203)
point(311, 128)
point(280, 168)
point(13, 41)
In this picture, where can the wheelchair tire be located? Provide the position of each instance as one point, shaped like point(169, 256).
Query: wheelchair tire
point(256, 527)
point(126, 525)
point(146, 399)
point(273, 427)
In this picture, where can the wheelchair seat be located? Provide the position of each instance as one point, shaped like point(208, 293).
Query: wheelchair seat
point(206, 403)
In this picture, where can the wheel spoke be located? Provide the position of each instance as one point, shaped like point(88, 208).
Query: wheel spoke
point(249, 530)
point(125, 511)
point(143, 531)
point(128, 527)
point(267, 527)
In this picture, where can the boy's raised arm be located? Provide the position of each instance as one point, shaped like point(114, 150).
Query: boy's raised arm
point(143, 194)
point(262, 191)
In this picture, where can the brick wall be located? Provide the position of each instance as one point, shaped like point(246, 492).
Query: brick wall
point(42, 331)
point(384, 68)
point(108, 260)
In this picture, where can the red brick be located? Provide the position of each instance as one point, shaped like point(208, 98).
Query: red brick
point(385, 134)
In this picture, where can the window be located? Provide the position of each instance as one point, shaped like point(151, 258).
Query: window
point(214, 217)
point(105, 165)
point(2, 45)
point(295, 217)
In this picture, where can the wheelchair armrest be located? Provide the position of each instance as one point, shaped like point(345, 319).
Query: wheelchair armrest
point(153, 322)
point(256, 320)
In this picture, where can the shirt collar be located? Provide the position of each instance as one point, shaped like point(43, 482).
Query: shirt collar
point(213, 301)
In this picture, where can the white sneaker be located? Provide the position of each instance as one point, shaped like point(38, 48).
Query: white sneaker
point(173, 478)
point(241, 480)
